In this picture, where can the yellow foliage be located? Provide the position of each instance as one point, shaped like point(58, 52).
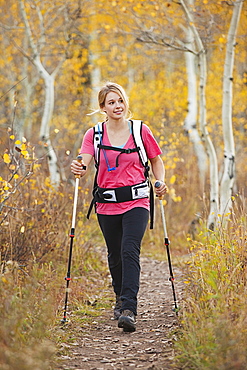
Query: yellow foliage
point(77, 103)
point(6, 158)
point(172, 179)
point(173, 195)
point(25, 154)
point(222, 39)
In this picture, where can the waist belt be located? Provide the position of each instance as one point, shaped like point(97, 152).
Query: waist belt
point(122, 194)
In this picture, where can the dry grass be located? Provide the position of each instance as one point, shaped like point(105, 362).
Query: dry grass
point(35, 227)
point(213, 334)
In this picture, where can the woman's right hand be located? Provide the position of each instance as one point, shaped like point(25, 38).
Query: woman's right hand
point(78, 168)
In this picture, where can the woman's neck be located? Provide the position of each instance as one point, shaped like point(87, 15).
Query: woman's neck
point(116, 125)
point(118, 132)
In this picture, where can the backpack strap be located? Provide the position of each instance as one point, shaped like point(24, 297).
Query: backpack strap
point(137, 135)
point(97, 140)
point(136, 130)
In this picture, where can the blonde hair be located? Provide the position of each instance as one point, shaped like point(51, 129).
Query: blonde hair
point(112, 86)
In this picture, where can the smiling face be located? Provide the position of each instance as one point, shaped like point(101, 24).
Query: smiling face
point(113, 101)
point(114, 106)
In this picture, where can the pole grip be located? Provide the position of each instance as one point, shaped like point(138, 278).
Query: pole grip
point(157, 184)
point(79, 159)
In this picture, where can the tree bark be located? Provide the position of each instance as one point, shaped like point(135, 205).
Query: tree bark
point(190, 123)
point(228, 177)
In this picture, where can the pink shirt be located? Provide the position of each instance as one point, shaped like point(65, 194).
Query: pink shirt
point(129, 172)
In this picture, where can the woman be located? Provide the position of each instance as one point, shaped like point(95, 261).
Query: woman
point(123, 223)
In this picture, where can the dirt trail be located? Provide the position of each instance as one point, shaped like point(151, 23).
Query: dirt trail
point(102, 345)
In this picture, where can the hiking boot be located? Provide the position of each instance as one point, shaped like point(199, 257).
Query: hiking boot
point(117, 308)
point(127, 321)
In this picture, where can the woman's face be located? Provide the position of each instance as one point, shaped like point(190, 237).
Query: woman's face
point(114, 106)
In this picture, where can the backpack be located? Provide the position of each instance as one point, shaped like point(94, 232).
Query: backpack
point(124, 193)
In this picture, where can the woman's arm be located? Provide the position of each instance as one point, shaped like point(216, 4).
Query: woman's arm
point(158, 170)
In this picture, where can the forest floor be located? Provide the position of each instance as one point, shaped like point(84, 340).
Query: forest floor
point(100, 344)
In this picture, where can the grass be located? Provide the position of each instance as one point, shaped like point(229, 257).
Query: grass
point(31, 309)
point(27, 311)
point(213, 319)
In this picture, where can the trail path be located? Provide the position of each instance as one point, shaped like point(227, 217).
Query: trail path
point(102, 345)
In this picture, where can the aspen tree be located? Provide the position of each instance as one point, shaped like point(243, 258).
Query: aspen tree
point(213, 163)
point(37, 41)
point(190, 123)
point(228, 177)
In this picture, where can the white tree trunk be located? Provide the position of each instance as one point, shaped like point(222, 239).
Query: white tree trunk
point(95, 82)
point(190, 123)
point(214, 183)
point(49, 101)
point(228, 177)
point(45, 122)
point(213, 163)
point(49, 80)
point(95, 73)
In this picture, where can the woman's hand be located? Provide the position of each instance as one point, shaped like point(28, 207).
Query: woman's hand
point(78, 168)
point(160, 188)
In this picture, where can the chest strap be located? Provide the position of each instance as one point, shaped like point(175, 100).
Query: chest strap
point(117, 149)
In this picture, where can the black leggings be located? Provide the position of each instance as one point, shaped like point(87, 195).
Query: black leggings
point(123, 235)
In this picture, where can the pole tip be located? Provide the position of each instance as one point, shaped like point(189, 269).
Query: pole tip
point(176, 310)
point(63, 321)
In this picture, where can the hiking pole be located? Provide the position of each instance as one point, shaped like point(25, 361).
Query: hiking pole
point(72, 234)
point(167, 243)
